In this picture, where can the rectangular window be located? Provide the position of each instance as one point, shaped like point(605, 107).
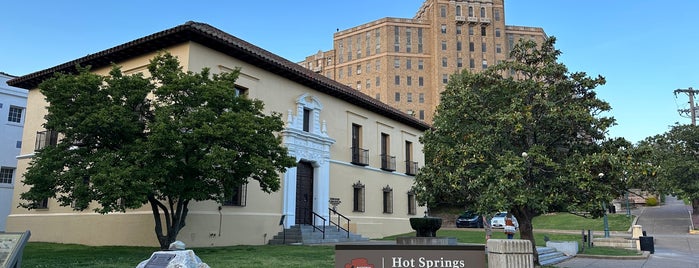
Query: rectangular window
point(497, 32)
point(359, 85)
point(458, 45)
point(378, 81)
point(444, 28)
point(421, 98)
point(240, 91)
point(496, 14)
point(409, 81)
point(378, 96)
point(410, 166)
point(458, 29)
point(444, 78)
point(498, 48)
point(471, 63)
point(368, 67)
point(420, 81)
point(396, 62)
point(409, 97)
point(419, 40)
point(471, 47)
point(396, 39)
point(45, 138)
point(236, 196)
point(412, 203)
point(485, 64)
point(377, 37)
point(420, 64)
point(306, 119)
point(6, 174)
point(483, 31)
point(341, 72)
point(483, 47)
point(368, 83)
point(378, 65)
point(359, 69)
point(444, 45)
point(360, 156)
point(358, 197)
point(470, 30)
point(349, 50)
point(387, 200)
point(422, 114)
point(388, 162)
point(43, 204)
point(397, 96)
point(349, 71)
point(443, 11)
point(368, 44)
point(459, 62)
point(15, 114)
point(408, 64)
point(408, 39)
point(444, 61)
point(397, 80)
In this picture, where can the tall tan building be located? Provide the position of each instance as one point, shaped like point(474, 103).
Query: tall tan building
point(406, 63)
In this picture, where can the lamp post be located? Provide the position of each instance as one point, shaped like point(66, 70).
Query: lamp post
point(604, 207)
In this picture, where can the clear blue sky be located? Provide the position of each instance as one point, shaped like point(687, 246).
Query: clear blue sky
point(644, 48)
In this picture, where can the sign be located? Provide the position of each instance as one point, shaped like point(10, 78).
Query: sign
point(409, 256)
point(160, 260)
point(12, 247)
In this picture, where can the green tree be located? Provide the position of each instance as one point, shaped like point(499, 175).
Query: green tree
point(166, 140)
point(676, 155)
point(524, 136)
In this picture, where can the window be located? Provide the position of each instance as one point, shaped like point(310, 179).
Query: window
point(378, 65)
point(458, 29)
point(482, 12)
point(360, 156)
point(483, 47)
point(341, 44)
point(470, 11)
point(444, 45)
point(397, 80)
point(45, 138)
point(396, 39)
point(408, 40)
point(396, 63)
point(421, 98)
point(409, 81)
point(471, 63)
point(409, 97)
point(410, 166)
point(470, 30)
point(43, 204)
point(378, 41)
point(483, 31)
point(378, 81)
point(498, 48)
point(306, 119)
point(419, 40)
point(408, 64)
point(412, 203)
point(6, 174)
point(420, 81)
point(443, 11)
point(387, 200)
point(497, 32)
point(349, 50)
point(15, 114)
point(420, 64)
point(444, 61)
point(496, 14)
point(378, 96)
point(458, 45)
point(422, 114)
point(388, 162)
point(485, 64)
point(444, 78)
point(358, 197)
point(459, 62)
point(368, 67)
point(359, 69)
point(471, 47)
point(359, 85)
point(458, 10)
point(397, 96)
point(444, 28)
point(349, 71)
point(18, 145)
point(240, 91)
point(341, 72)
point(236, 196)
point(368, 83)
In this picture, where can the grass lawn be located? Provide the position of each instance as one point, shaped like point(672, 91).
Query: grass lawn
point(65, 255)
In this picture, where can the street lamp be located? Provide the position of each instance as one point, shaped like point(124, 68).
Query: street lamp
point(604, 207)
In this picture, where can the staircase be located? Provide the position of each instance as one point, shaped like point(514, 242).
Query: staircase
point(549, 256)
point(306, 234)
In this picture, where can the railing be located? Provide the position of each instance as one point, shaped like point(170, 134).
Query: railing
point(485, 20)
point(331, 211)
point(388, 162)
point(315, 227)
point(472, 19)
point(410, 167)
point(360, 156)
point(461, 18)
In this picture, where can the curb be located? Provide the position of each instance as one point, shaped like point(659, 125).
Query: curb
point(644, 255)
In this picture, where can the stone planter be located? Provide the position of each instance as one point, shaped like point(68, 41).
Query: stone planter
point(570, 248)
point(426, 226)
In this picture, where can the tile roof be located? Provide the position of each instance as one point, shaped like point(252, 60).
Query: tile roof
point(216, 39)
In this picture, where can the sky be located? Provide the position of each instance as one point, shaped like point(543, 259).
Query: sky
point(646, 49)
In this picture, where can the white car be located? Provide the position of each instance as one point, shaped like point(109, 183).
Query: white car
point(498, 221)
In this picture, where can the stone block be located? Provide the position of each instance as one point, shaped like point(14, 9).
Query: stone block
point(510, 253)
point(570, 248)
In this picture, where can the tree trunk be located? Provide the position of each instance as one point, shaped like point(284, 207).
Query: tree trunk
point(695, 206)
point(174, 219)
point(526, 230)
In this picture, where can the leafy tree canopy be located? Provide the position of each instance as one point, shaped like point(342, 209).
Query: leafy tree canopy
point(174, 137)
point(524, 136)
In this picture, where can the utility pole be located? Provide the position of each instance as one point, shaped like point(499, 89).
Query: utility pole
point(692, 106)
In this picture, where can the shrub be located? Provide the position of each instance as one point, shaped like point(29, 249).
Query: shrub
point(651, 201)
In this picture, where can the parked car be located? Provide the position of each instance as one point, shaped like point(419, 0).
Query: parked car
point(469, 220)
point(498, 221)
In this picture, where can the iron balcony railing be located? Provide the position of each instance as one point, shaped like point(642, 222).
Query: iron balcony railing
point(410, 168)
point(388, 162)
point(360, 156)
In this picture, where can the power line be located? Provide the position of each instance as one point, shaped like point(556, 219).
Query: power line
point(692, 112)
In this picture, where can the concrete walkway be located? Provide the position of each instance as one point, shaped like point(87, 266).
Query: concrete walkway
point(668, 224)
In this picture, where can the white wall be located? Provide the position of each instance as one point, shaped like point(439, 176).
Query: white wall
point(10, 134)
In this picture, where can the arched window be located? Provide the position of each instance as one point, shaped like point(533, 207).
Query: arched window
point(458, 10)
point(470, 11)
point(482, 12)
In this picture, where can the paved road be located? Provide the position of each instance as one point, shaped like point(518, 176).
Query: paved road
point(668, 224)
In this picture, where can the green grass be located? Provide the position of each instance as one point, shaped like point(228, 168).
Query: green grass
point(67, 255)
point(567, 221)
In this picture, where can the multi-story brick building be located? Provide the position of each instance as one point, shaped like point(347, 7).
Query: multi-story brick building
point(406, 63)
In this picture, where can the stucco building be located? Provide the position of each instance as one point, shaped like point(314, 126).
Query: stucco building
point(349, 146)
point(13, 103)
point(406, 63)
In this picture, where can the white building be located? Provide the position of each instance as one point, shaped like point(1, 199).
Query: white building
point(13, 102)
